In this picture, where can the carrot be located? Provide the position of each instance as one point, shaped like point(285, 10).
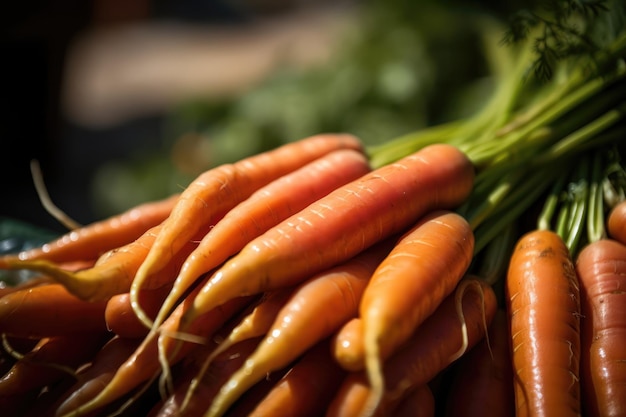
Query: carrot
point(436, 343)
point(49, 310)
point(114, 272)
point(306, 389)
point(218, 190)
point(317, 308)
point(543, 303)
point(51, 360)
point(91, 241)
point(601, 268)
point(262, 210)
point(341, 225)
point(616, 222)
point(483, 378)
point(420, 403)
point(120, 317)
point(422, 269)
point(347, 346)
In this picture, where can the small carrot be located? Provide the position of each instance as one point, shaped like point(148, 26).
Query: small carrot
point(306, 389)
point(49, 310)
point(616, 222)
point(51, 360)
point(91, 241)
point(263, 209)
point(347, 345)
point(316, 309)
point(601, 267)
point(483, 379)
point(423, 268)
point(342, 224)
point(456, 325)
point(120, 317)
point(419, 403)
point(543, 304)
point(216, 191)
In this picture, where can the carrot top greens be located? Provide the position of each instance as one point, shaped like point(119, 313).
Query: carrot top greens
point(550, 132)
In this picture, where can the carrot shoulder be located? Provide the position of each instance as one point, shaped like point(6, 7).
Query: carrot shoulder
point(342, 224)
point(543, 304)
point(601, 268)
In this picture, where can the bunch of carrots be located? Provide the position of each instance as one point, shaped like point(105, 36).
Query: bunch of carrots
point(473, 265)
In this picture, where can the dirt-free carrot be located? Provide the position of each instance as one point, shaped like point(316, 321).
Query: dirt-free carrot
point(120, 317)
point(91, 241)
point(616, 222)
point(263, 209)
point(601, 267)
point(347, 345)
point(216, 191)
point(306, 389)
point(422, 269)
point(49, 310)
point(52, 359)
point(420, 403)
point(483, 378)
point(342, 224)
point(543, 304)
point(438, 341)
point(316, 309)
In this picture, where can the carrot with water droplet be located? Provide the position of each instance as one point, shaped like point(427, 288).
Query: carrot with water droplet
point(265, 208)
point(543, 304)
point(342, 224)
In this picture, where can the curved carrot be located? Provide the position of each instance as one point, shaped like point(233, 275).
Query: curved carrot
point(316, 309)
point(616, 222)
point(217, 191)
point(421, 403)
point(342, 224)
point(348, 347)
point(306, 389)
point(436, 343)
point(51, 360)
point(262, 210)
point(49, 310)
point(120, 317)
point(483, 378)
point(543, 303)
point(91, 241)
point(601, 268)
point(423, 268)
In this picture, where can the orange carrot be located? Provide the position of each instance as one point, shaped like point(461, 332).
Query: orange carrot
point(543, 304)
point(422, 269)
point(601, 268)
point(120, 317)
point(49, 310)
point(347, 345)
point(317, 308)
point(262, 210)
point(616, 222)
point(91, 241)
point(436, 343)
point(341, 225)
point(306, 389)
point(421, 403)
point(483, 378)
point(51, 360)
point(218, 190)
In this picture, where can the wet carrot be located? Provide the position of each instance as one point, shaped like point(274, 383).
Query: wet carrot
point(601, 268)
point(347, 345)
point(341, 225)
point(265, 208)
point(543, 305)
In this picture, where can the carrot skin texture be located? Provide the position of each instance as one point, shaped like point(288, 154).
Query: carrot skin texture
point(616, 223)
point(49, 310)
point(429, 350)
point(342, 224)
point(265, 208)
point(601, 268)
point(543, 304)
point(91, 241)
point(484, 382)
point(419, 403)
